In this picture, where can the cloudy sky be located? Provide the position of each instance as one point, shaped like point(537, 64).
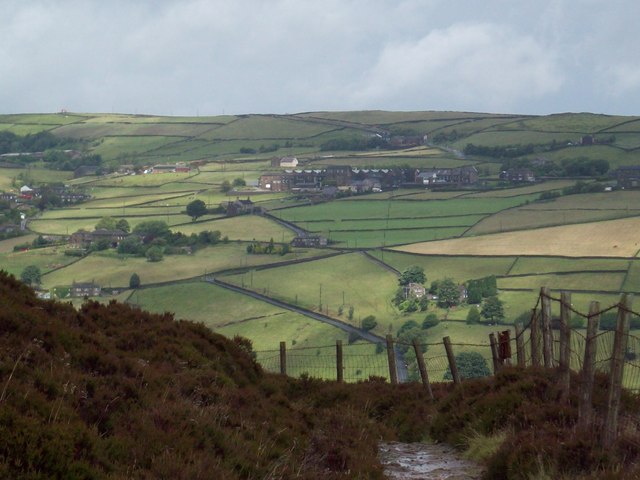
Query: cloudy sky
point(208, 57)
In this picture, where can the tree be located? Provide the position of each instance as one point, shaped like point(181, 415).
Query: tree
point(412, 274)
point(431, 320)
point(470, 365)
point(131, 245)
point(31, 275)
point(106, 223)
point(151, 230)
point(134, 281)
point(196, 209)
point(226, 186)
point(123, 225)
point(369, 323)
point(493, 309)
point(154, 254)
point(473, 316)
point(239, 182)
point(448, 294)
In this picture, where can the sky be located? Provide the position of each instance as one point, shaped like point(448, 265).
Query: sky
point(212, 57)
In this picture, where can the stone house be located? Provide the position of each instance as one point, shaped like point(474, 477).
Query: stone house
point(85, 289)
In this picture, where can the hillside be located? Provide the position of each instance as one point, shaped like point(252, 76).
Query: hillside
point(114, 392)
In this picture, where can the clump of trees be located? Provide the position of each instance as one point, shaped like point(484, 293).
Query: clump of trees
point(470, 365)
point(403, 299)
point(481, 288)
point(269, 248)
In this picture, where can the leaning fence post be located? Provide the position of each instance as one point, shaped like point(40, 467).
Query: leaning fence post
point(520, 346)
point(393, 372)
point(494, 353)
point(547, 335)
point(422, 367)
point(452, 361)
point(585, 410)
point(565, 343)
point(283, 358)
point(535, 339)
point(339, 365)
point(617, 370)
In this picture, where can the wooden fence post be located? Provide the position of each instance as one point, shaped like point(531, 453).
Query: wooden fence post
point(494, 353)
point(547, 334)
point(422, 367)
point(522, 363)
point(339, 364)
point(585, 410)
point(391, 355)
point(617, 370)
point(535, 339)
point(565, 344)
point(452, 361)
point(283, 358)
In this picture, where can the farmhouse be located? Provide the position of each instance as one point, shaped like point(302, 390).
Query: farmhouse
point(414, 290)
point(83, 239)
point(309, 241)
point(239, 207)
point(628, 176)
point(284, 162)
point(447, 176)
point(85, 289)
point(518, 175)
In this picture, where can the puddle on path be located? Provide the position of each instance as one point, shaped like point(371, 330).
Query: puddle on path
point(412, 461)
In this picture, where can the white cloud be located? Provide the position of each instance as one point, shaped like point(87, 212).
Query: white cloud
point(473, 66)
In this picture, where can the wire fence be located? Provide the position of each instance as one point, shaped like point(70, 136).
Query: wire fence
point(557, 336)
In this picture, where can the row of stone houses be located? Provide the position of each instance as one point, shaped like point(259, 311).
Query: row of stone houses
point(346, 178)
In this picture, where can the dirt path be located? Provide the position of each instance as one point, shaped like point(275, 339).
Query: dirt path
point(412, 461)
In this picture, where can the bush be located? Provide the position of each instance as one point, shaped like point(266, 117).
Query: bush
point(369, 323)
point(431, 320)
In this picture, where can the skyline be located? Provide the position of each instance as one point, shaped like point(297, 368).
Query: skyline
point(199, 58)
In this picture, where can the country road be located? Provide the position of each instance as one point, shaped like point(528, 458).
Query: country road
point(370, 337)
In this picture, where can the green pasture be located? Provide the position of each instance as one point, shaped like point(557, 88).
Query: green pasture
point(118, 191)
point(632, 282)
point(491, 138)
point(267, 330)
point(584, 123)
point(628, 141)
point(626, 126)
point(341, 211)
point(627, 200)
point(379, 117)
point(112, 270)
point(133, 118)
point(459, 268)
point(8, 244)
point(243, 227)
point(470, 126)
point(526, 218)
point(366, 286)
point(266, 127)
point(148, 180)
point(37, 174)
point(392, 162)
point(43, 119)
point(615, 156)
point(406, 194)
point(66, 226)
point(394, 223)
point(236, 165)
point(377, 238)
point(524, 190)
point(47, 259)
point(601, 281)
point(209, 177)
point(111, 148)
point(524, 265)
point(212, 305)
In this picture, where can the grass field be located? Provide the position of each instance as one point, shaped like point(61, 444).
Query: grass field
point(459, 268)
point(47, 259)
point(111, 270)
point(614, 238)
point(606, 282)
point(7, 245)
point(245, 227)
point(366, 286)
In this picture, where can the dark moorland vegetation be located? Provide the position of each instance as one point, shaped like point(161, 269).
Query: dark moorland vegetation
point(111, 391)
